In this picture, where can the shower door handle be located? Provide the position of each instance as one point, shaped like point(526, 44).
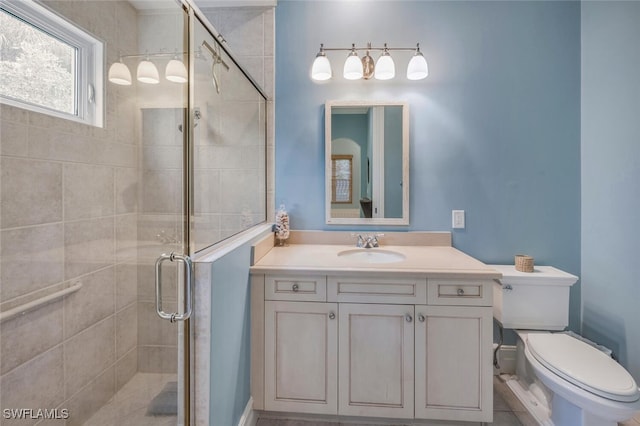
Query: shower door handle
point(188, 284)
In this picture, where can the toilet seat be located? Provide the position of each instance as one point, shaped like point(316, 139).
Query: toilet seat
point(583, 365)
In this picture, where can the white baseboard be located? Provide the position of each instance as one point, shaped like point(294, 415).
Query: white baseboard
point(506, 360)
point(249, 417)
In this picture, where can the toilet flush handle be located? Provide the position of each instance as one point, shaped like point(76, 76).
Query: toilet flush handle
point(507, 287)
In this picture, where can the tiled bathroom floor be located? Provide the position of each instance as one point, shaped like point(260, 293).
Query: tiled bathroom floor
point(507, 411)
point(129, 405)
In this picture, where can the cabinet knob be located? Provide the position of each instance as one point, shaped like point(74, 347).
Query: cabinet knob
point(421, 318)
point(408, 317)
point(460, 292)
point(295, 288)
point(332, 315)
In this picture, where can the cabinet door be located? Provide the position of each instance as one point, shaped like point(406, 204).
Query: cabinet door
point(453, 363)
point(376, 360)
point(301, 357)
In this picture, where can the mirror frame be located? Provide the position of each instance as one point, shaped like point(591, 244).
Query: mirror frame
point(404, 220)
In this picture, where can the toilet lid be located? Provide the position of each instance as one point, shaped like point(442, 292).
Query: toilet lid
point(583, 365)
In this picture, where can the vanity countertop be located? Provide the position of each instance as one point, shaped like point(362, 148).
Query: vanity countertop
point(430, 261)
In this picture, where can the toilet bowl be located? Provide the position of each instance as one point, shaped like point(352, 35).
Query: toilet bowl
point(562, 380)
point(583, 385)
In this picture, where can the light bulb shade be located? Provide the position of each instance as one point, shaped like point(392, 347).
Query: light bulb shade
point(385, 68)
point(321, 68)
point(418, 68)
point(352, 67)
point(119, 74)
point(176, 71)
point(148, 73)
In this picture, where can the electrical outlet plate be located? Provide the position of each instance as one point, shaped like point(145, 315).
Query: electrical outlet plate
point(457, 219)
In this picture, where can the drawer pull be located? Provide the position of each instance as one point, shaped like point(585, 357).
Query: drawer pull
point(421, 318)
point(295, 288)
point(332, 315)
point(460, 292)
point(408, 318)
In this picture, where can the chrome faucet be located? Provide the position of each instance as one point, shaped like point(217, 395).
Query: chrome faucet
point(369, 241)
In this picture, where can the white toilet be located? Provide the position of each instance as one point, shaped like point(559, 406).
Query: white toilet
point(562, 380)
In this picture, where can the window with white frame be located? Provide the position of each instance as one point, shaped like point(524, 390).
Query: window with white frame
point(50, 65)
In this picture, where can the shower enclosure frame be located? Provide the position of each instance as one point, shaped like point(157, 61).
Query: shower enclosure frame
point(187, 326)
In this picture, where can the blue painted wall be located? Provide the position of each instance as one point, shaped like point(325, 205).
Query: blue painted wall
point(230, 337)
point(611, 177)
point(495, 128)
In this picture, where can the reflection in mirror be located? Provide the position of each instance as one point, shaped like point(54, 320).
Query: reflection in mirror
point(367, 163)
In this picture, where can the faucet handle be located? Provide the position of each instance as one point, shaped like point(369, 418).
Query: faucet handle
point(374, 240)
point(360, 242)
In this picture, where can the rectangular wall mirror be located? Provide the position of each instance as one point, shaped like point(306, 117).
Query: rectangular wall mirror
point(367, 163)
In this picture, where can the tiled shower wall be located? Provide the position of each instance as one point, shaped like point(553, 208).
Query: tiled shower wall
point(69, 210)
point(250, 35)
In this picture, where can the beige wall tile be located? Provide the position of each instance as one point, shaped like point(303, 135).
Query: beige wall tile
point(118, 154)
point(238, 189)
point(146, 282)
point(126, 190)
point(54, 144)
point(126, 285)
point(89, 400)
point(207, 191)
point(243, 29)
point(17, 115)
point(153, 330)
point(88, 353)
point(89, 246)
point(157, 359)
point(14, 138)
point(37, 383)
point(126, 368)
point(161, 157)
point(160, 126)
point(32, 258)
point(31, 192)
point(161, 191)
point(29, 335)
point(88, 191)
point(126, 330)
point(92, 303)
point(126, 238)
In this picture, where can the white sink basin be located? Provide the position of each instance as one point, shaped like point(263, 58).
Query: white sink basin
point(373, 255)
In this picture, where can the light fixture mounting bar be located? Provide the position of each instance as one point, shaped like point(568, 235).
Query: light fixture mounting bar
point(149, 55)
point(349, 49)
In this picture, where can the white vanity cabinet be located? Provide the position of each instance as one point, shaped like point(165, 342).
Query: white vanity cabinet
point(371, 346)
point(375, 360)
point(300, 357)
point(453, 363)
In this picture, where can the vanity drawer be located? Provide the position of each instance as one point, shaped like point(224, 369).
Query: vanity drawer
point(305, 288)
point(460, 292)
point(377, 290)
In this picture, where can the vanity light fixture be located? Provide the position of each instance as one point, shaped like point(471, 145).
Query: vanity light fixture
point(119, 74)
point(321, 69)
point(146, 71)
point(353, 65)
point(356, 68)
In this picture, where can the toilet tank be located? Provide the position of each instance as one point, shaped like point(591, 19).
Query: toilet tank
point(537, 300)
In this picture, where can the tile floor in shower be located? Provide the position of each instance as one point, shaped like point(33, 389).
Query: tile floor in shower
point(129, 405)
point(507, 411)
